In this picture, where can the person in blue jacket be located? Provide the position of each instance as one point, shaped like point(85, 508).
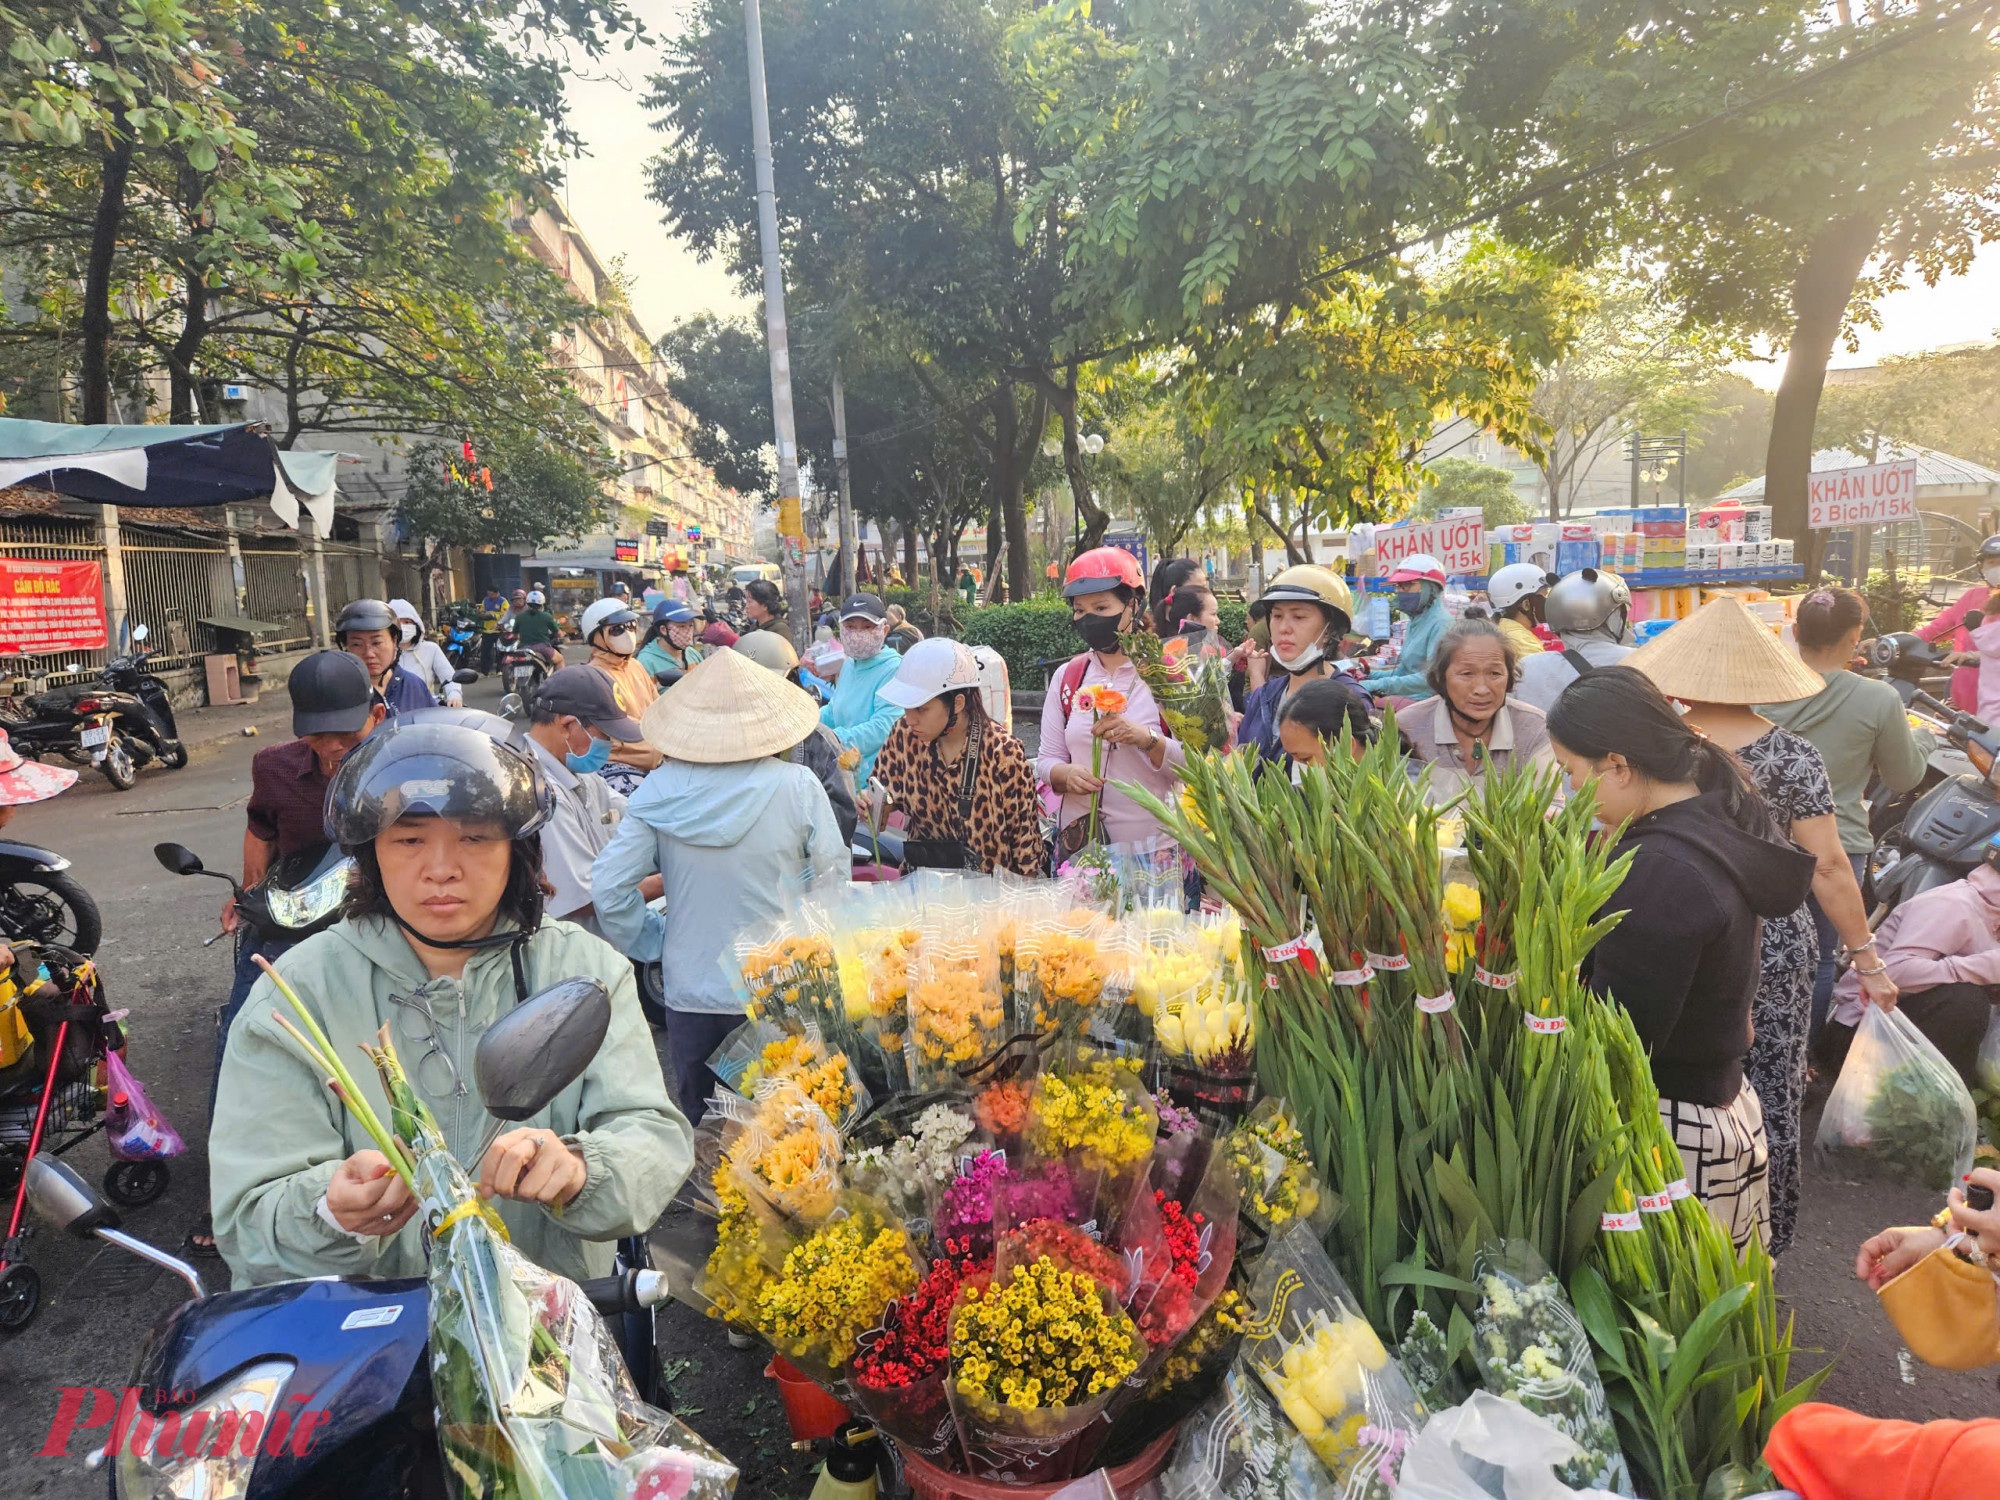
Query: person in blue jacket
point(857, 713)
point(1419, 584)
point(1309, 610)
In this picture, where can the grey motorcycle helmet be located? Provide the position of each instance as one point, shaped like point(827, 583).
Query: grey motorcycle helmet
point(437, 762)
point(1586, 601)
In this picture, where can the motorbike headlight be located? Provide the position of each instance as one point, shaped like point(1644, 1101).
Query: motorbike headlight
point(308, 903)
point(231, 1422)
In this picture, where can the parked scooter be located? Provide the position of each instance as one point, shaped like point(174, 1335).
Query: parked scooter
point(1948, 828)
point(352, 1351)
point(122, 721)
point(461, 641)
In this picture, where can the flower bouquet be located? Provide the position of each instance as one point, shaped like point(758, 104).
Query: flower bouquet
point(762, 1051)
point(833, 1284)
point(1327, 1368)
point(787, 970)
point(1188, 676)
point(898, 1375)
point(958, 1013)
point(874, 938)
point(968, 1209)
point(1238, 1447)
point(782, 1149)
point(909, 1151)
point(1091, 1112)
point(1208, 1042)
point(533, 1397)
point(1069, 967)
point(1532, 1348)
point(1275, 1174)
point(1035, 1355)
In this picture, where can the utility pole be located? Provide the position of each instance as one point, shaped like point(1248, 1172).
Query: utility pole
point(791, 518)
point(840, 461)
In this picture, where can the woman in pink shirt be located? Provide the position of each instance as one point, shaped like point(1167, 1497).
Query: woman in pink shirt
point(1107, 597)
point(1950, 621)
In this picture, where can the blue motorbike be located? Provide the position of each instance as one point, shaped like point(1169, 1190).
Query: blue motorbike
point(351, 1353)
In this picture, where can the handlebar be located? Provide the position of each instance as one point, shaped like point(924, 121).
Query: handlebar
point(627, 1292)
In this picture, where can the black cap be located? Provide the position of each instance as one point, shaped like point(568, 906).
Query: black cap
point(331, 694)
point(585, 693)
point(863, 607)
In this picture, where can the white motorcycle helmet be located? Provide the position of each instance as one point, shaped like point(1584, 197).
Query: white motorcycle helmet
point(1515, 582)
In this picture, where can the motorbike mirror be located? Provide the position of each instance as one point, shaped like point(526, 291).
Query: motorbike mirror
point(1974, 618)
point(465, 677)
point(140, 632)
point(540, 1047)
point(179, 859)
point(512, 707)
point(668, 678)
point(62, 1198)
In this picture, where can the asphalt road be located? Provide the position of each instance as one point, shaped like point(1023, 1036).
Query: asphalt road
point(154, 963)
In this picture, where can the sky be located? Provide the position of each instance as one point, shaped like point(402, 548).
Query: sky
point(607, 198)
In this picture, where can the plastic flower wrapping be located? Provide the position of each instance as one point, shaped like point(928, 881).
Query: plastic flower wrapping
point(787, 969)
point(533, 1399)
point(1532, 1348)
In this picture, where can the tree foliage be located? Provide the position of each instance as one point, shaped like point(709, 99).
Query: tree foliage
point(315, 198)
point(1464, 484)
point(1947, 400)
point(539, 494)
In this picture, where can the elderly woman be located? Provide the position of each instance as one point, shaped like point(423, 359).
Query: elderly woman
point(733, 827)
point(1715, 665)
point(443, 934)
point(1472, 725)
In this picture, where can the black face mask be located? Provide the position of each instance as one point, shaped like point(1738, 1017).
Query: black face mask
point(1099, 632)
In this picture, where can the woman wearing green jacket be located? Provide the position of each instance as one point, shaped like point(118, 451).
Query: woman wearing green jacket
point(442, 935)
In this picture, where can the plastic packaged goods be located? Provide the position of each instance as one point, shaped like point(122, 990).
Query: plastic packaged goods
point(1333, 1379)
point(957, 1007)
point(1898, 1110)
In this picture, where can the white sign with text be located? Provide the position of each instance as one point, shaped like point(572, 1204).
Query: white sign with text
point(1871, 495)
point(1458, 542)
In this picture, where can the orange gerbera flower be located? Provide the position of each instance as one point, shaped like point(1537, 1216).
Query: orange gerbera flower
point(1102, 699)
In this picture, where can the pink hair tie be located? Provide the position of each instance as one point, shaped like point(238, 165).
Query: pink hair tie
point(1823, 598)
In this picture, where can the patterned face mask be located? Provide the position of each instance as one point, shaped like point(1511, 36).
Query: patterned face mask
point(861, 641)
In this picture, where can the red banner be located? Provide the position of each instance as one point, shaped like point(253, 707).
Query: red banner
point(51, 605)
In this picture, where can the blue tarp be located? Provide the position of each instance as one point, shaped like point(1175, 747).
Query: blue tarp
point(166, 466)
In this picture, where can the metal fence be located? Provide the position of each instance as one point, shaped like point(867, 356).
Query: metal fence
point(275, 588)
point(170, 583)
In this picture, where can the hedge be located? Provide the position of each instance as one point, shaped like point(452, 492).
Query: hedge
point(1024, 634)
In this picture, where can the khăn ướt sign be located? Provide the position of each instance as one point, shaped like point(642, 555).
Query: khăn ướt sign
point(1458, 542)
point(1870, 495)
point(51, 604)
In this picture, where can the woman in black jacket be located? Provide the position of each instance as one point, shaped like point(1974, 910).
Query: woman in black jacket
point(1708, 865)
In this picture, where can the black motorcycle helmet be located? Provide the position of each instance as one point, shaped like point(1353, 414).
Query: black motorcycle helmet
point(452, 763)
point(364, 614)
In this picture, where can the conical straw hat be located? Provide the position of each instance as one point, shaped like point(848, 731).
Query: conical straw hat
point(1722, 653)
point(728, 708)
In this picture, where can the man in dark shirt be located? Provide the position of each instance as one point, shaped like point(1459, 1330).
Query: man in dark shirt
point(334, 708)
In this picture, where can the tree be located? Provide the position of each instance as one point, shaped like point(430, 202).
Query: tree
point(320, 202)
point(1632, 364)
point(1462, 484)
point(1161, 463)
point(1726, 444)
point(1329, 405)
point(537, 494)
point(1808, 163)
point(1948, 400)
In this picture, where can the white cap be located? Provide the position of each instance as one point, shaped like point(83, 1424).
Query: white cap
point(930, 669)
point(604, 612)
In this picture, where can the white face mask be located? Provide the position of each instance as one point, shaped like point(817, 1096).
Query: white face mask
point(861, 641)
point(623, 641)
point(1992, 575)
point(408, 632)
point(1303, 660)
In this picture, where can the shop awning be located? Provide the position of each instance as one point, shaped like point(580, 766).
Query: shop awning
point(191, 467)
point(238, 624)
